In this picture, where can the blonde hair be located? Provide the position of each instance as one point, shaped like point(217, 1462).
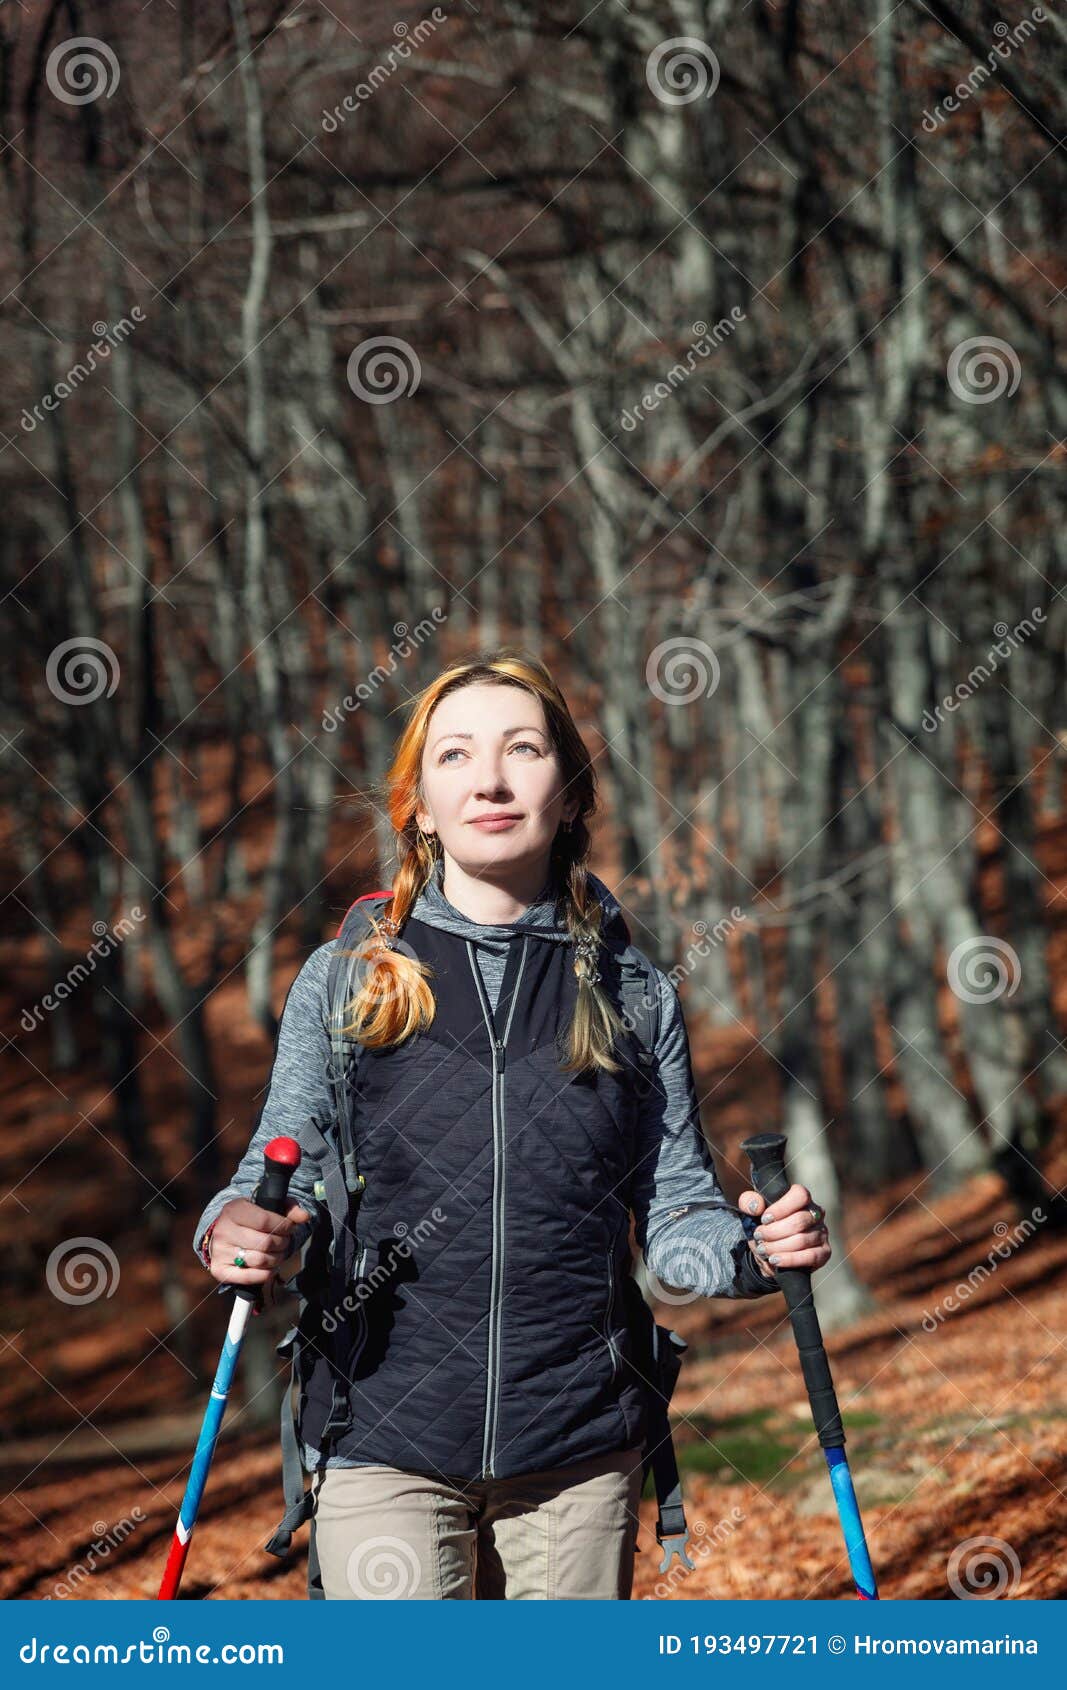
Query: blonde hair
point(395, 999)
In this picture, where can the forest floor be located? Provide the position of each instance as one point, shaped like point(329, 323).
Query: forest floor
point(956, 1431)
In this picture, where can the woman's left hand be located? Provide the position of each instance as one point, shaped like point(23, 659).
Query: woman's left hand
point(792, 1230)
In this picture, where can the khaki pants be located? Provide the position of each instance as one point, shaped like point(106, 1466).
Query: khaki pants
point(568, 1533)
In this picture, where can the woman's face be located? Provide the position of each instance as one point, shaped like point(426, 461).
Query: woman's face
point(487, 753)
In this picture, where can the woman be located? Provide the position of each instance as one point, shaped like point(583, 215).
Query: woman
point(469, 1413)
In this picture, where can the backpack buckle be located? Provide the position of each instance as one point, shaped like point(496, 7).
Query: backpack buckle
point(674, 1544)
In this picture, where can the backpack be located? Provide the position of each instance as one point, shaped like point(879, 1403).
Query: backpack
point(657, 1352)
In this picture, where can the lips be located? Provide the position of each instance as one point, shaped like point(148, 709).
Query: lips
point(500, 816)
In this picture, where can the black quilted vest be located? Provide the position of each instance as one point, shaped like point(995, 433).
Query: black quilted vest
point(483, 1334)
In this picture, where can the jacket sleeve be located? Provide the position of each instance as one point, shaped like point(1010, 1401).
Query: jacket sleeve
point(298, 1091)
point(685, 1240)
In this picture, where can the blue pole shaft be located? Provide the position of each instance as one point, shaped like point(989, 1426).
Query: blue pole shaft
point(851, 1524)
point(205, 1445)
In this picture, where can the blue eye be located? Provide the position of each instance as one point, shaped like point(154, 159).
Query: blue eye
point(519, 744)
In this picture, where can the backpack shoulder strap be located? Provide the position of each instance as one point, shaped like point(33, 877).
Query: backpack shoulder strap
point(341, 988)
point(639, 989)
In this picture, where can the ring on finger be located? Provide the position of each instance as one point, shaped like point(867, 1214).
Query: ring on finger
point(239, 1261)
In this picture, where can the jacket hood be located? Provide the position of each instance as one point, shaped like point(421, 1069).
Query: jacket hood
point(543, 918)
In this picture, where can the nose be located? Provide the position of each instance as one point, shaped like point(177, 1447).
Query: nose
point(490, 779)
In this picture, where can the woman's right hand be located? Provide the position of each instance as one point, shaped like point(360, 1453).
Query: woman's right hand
point(263, 1239)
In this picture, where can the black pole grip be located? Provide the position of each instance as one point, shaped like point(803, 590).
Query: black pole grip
point(766, 1154)
point(281, 1158)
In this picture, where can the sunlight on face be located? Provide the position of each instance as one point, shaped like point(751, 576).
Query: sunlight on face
point(488, 752)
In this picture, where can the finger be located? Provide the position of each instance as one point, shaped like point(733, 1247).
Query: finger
point(240, 1276)
point(796, 1198)
point(250, 1258)
point(297, 1215)
point(810, 1259)
point(261, 1220)
point(751, 1202)
point(761, 1262)
point(786, 1213)
point(232, 1239)
point(789, 1236)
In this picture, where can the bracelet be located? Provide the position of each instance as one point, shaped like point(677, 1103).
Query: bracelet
point(205, 1244)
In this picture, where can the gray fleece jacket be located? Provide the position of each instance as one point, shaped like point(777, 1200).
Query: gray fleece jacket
point(687, 1241)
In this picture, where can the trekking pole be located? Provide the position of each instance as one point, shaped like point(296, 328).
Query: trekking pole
point(281, 1158)
point(766, 1153)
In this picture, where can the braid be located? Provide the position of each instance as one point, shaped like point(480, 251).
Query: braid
point(394, 999)
point(595, 1022)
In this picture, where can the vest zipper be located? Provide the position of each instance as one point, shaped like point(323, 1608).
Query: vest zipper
point(496, 1278)
point(613, 1348)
